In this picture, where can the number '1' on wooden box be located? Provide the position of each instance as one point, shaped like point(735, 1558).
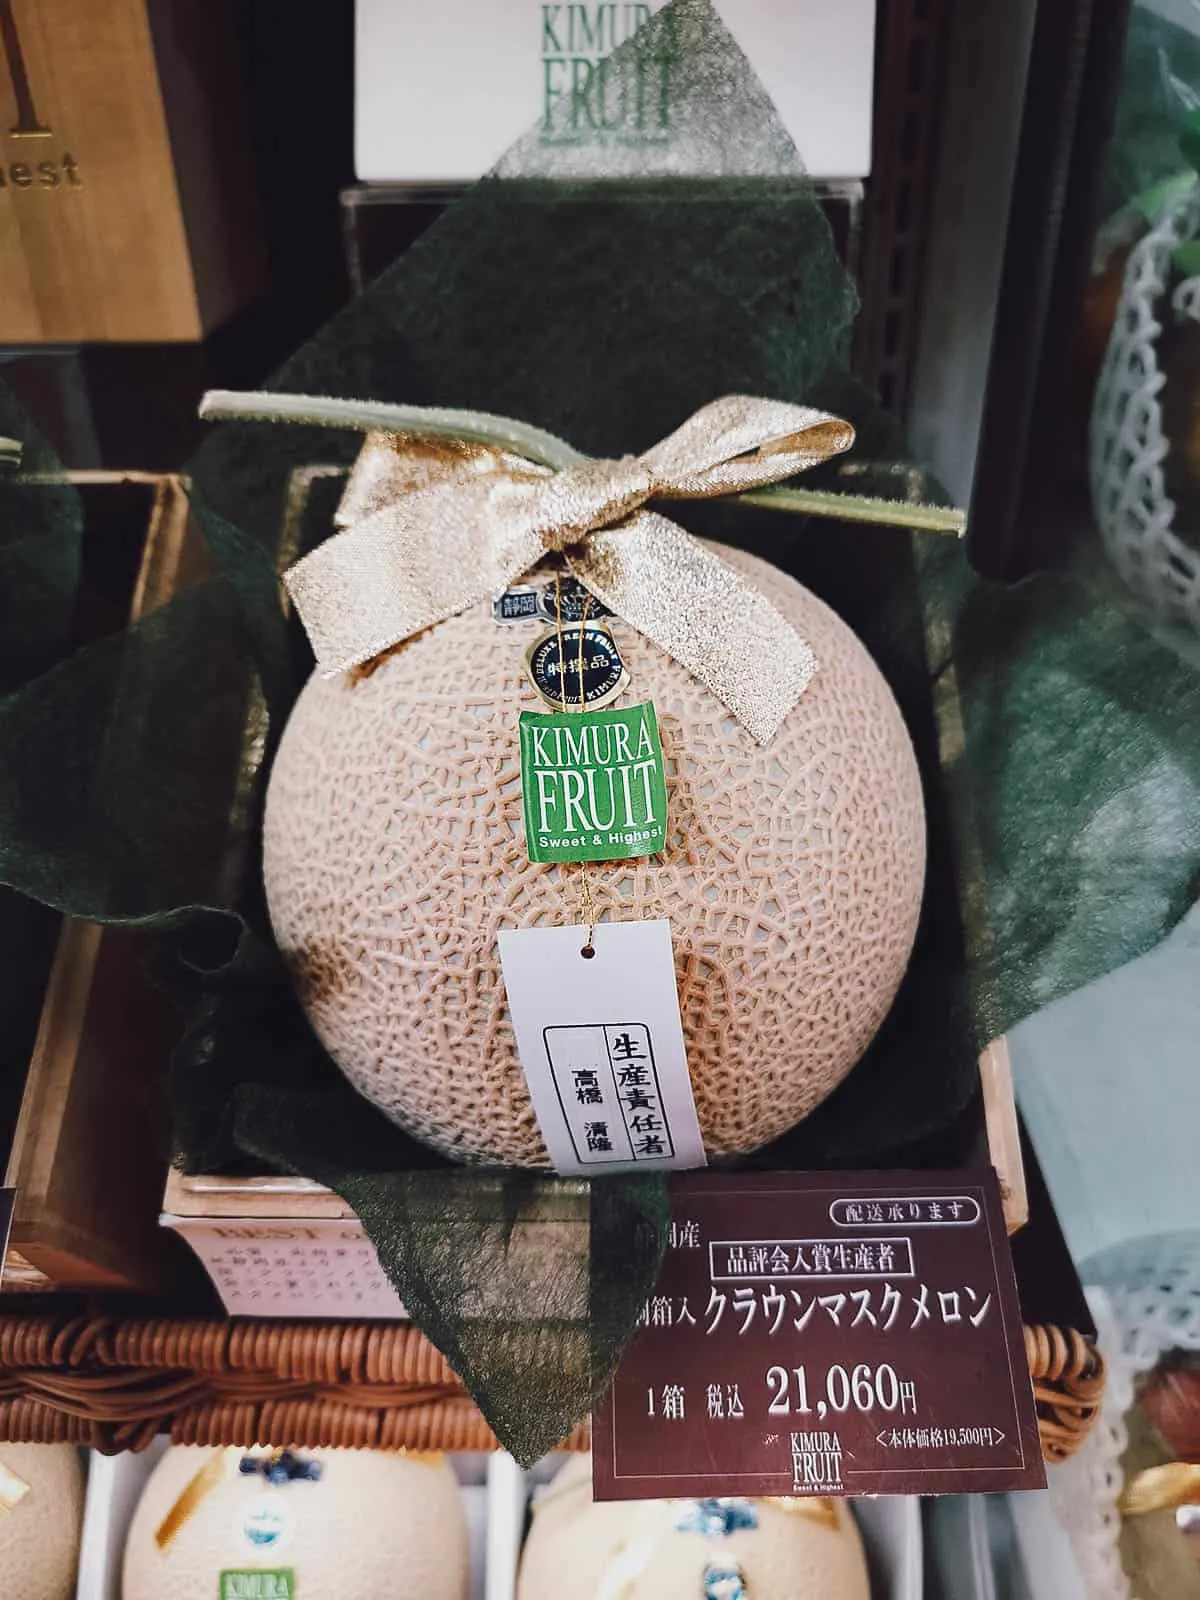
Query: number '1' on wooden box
point(126, 212)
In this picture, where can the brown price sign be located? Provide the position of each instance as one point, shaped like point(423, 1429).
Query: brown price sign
point(825, 1334)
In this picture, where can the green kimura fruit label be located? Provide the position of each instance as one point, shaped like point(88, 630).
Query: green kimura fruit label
point(253, 1583)
point(593, 784)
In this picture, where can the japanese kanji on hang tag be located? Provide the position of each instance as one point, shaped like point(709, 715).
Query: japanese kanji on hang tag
point(825, 1334)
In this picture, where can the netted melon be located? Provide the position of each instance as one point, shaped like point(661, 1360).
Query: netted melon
point(372, 1523)
point(685, 1550)
point(792, 876)
point(39, 1536)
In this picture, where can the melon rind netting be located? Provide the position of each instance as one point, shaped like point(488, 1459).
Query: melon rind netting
point(1129, 447)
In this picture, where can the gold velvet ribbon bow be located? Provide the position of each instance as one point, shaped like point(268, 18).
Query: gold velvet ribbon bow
point(432, 526)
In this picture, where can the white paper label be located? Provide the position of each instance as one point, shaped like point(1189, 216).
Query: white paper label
point(289, 1267)
point(602, 1046)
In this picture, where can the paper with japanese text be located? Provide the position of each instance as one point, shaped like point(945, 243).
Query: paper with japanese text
point(825, 1334)
point(601, 1045)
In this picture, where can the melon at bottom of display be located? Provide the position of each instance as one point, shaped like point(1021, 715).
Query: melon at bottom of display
point(361, 1524)
point(579, 1549)
point(39, 1535)
point(394, 852)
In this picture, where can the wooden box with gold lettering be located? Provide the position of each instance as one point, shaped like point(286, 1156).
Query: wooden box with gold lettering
point(126, 205)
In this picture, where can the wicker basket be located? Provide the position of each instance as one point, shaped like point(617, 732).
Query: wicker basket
point(114, 1383)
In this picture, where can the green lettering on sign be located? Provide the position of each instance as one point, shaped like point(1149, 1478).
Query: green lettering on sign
point(258, 1584)
point(593, 784)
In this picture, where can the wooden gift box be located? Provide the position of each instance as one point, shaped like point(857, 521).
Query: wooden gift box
point(268, 1241)
point(256, 1232)
point(280, 1246)
point(287, 1247)
point(92, 1138)
point(88, 1147)
point(126, 206)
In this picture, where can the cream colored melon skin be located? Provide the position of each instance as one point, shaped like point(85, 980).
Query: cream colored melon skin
point(39, 1537)
point(394, 853)
point(377, 1526)
point(580, 1550)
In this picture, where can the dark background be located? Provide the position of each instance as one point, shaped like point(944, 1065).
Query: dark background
point(134, 406)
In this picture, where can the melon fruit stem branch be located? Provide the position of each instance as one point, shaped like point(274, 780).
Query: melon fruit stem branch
point(546, 449)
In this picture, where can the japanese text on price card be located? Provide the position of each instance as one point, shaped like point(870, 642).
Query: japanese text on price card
point(825, 1334)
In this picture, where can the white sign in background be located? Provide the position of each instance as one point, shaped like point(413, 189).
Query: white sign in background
point(442, 89)
point(601, 1045)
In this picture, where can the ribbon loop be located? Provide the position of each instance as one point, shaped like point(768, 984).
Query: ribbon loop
point(435, 525)
point(739, 442)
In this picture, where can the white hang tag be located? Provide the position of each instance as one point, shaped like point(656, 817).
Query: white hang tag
point(601, 1044)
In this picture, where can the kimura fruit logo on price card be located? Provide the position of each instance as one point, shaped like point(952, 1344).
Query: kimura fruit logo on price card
point(825, 1334)
point(594, 787)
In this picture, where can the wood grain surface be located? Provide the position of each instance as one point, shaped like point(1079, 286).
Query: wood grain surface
point(97, 200)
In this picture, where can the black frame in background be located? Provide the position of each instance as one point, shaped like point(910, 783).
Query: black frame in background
point(1026, 503)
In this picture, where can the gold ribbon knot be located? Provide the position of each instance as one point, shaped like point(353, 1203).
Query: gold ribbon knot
point(433, 526)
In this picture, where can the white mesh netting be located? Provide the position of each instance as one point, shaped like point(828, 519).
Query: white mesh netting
point(1134, 512)
point(1146, 1300)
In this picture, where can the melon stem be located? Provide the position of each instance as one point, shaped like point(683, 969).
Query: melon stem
point(546, 449)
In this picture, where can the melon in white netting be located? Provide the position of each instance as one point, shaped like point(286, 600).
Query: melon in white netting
point(687, 1549)
point(792, 877)
point(39, 1536)
point(373, 1523)
point(1129, 443)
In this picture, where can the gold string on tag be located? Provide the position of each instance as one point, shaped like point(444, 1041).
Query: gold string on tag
point(587, 910)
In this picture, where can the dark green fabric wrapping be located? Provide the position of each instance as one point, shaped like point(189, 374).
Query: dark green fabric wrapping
point(605, 313)
point(1074, 790)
